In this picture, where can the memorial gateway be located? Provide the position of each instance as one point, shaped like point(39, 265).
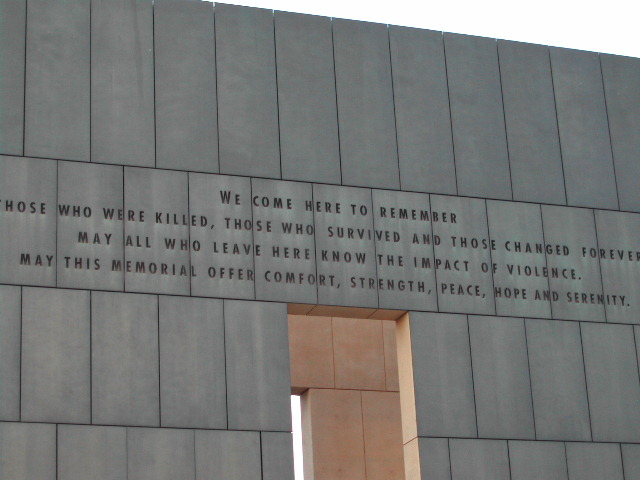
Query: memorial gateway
point(206, 208)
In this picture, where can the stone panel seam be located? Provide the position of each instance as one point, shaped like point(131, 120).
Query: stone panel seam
point(566, 459)
point(448, 454)
point(473, 382)
point(493, 280)
point(635, 344)
point(91, 81)
point(533, 409)
point(555, 108)
point(622, 461)
point(124, 233)
point(195, 462)
point(509, 458)
point(433, 251)
point(395, 116)
point(226, 375)
point(253, 239)
point(57, 454)
point(595, 229)
point(215, 64)
point(335, 89)
point(606, 112)
point(504, 119)
point(153, 54)
point(275, 69)
point(315, 243)
point(375, 247)
point(453, 145)
point(24, 79)
point(90, 358)
point(586, 381)
point(159, 365)
point(261, 456)
point(546, 262)
point(21, 362)
point(189, 232)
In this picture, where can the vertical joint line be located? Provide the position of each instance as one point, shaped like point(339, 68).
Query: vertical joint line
point(433, 249)
point(595, 228)
point(275, 69)
point(253, 241)
point(504, 119)
point(473, 381)
point(21, 362)
point(555, 107)
point(606, 111)
point(159, 365)
point(533, 408)
point(586, 381)
point(395, 115)
point(453, 143)
point(335, 88)
point(226, 373)
point(189, 250)
point(546, 261)
point(215, 64)
point(24, 79)
point(493, 281)
point(155, 116)
point(375, 247)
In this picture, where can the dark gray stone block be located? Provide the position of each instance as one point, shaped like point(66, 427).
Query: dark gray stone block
point(434, 458)
point(612, 381)
point(192, 363)
point(283, 252)
point(56, 367)
point(307, 98)
point(463, 286)
point(12, 47)
point(10, 344)
point(185, 83)
point(122, 91)
point(277, 455)
point(247, 92)
point(631, 461)
point(537, 460)
point(594, 461)
point(224, 454)
point(57, 109)
point(479, 459)
point(92, 453)
point(621, 77)
point(584, 130)
point(258, 379)
point(532, 126)
point(558, 380)
point(442, 375)
point(365, 104)
point(477, 116)
point(28, 239)
point(90, 239)
point(157, 245)
point(425, 144)
point(124, 341)
point(501, 377)
point(160, 454)
point(27, 451)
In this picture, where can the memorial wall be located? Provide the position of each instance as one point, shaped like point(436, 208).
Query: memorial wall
point(177, 176)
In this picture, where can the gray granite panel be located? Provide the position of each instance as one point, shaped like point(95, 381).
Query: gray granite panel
point(425, 144)
point(558, 380)
point(124, 341)
point(345, 246)
point(185, 83)
point(404, 250)
point(122, 90)
point(631, 461)
point(10, 338)
point(92, 453)
point(434, 458)
point(479, 459)
point(442, 375)
point(222, 239)
point(501, 377)
point(537, 460)
point(284, 231)
point(584, 130)
point(28, 221)
point(463, 255)
point(160, 454)
point(27, 451)
point(365, 104)
point(520, 287)
point(57, 110)
point(612, 382)
point(222, 454)
point(192, 363)
point(477, 116)
point(12, 47)
point(307, 98)
point(574, 276)
point(258, 379)
point(156, 231)
point(56, 375)
point(594, 461)
point(90, 239)
point(532, 126)
point(247, 92)
point(621, 77)
point(277, 456)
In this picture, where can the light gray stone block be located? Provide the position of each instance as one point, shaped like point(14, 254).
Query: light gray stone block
point(365, 104)
point(12, 48)
point(307, 98)
point(631, 461)
point(477, 116)
point(28, 221)
point(27, 450)
point(10, 345)
point(90, 241)
point(434, 458)
point(56, 368)
point(160, 454)
point(124, 340)
point(423, 120)
point(258, 379)
point(192, 363)
point(92, 453)
point(442, 375)
point(185, 83)
point(247, 92)
point(122, 90)
point(501, 377)
point(537, 460)
point(612, 382)
point(532, 127)
point(57, 109)
point(558, 380)
point(479, 459)
point(584, 129)
point(594, 461)
point(277, 455)
point(222, 454)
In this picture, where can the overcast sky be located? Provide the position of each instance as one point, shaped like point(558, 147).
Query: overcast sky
point(608, 27)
